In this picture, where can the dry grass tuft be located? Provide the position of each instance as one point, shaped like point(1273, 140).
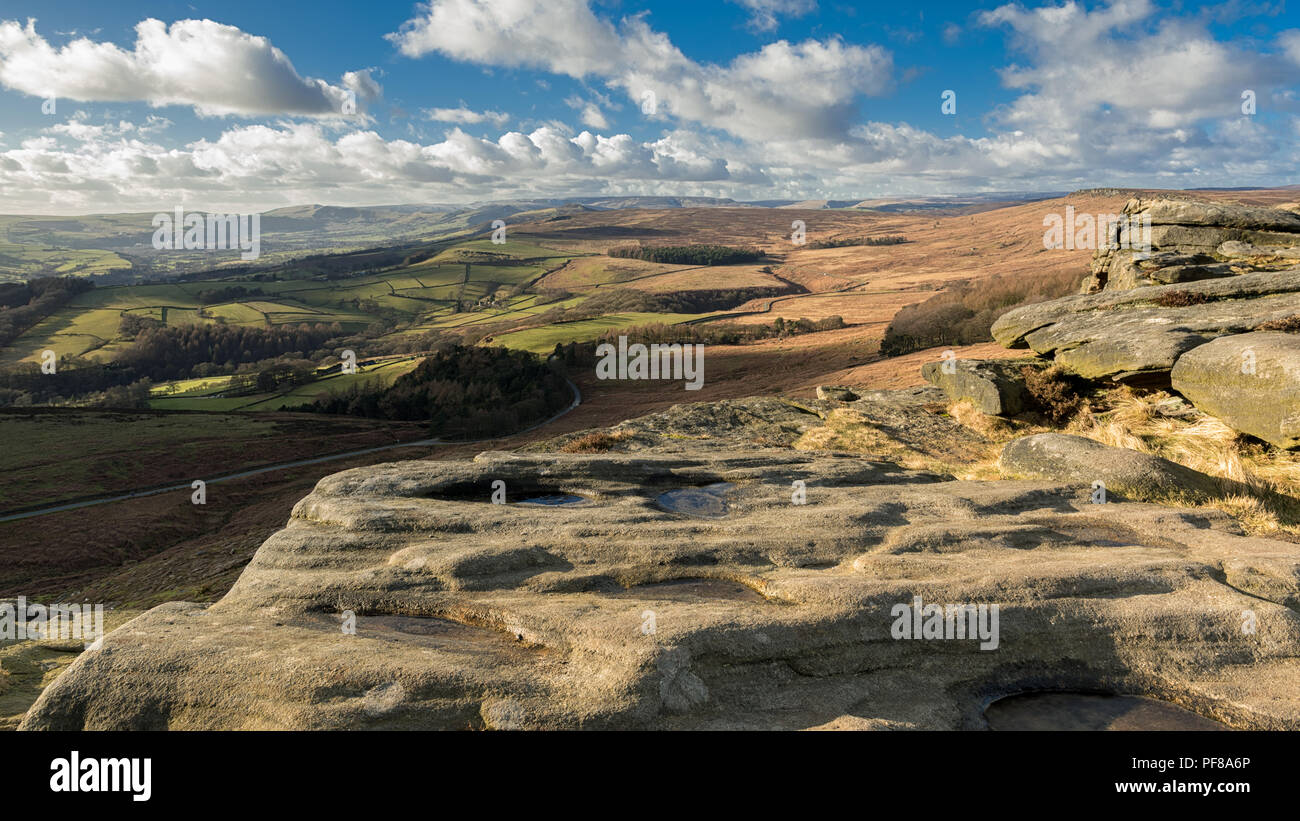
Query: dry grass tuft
point(1289, 325)
point(990, 427)
point(848, 431)
point(1182, 299)
point(597, 442)
point(1260, 483)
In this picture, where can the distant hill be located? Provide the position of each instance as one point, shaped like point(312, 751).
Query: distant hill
point(117, 248)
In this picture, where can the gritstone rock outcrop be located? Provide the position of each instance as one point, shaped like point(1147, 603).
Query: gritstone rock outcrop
point(1212, 311)
point(1193, 240)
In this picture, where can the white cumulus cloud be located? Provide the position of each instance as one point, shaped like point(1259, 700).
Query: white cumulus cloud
point(466, 116)
point(803, 89)
point(217, 69)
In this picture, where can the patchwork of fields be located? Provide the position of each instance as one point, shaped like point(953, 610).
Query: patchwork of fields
point(543, 339)
point(430, 294)
point(89, 244)
point(471, 285)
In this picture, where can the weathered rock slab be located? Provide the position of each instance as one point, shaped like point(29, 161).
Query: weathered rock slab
point(400, 596)
point(1138, 335)
point(1167, 211)
point(836, 393)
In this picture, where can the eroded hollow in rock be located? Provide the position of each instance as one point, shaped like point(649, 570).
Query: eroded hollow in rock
point(515, 493)
point(707, 502)
point(554, 500)
point(1042, 710)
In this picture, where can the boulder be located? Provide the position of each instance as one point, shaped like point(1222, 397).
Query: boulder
point(910, 426)
point(1127, 269)
point(1206, 239)
point(729, 423)
point(1191, 273)
point(995, 387)
point(1250, 381)
point(1128, 472)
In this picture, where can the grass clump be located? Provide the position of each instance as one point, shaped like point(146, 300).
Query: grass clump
point(1288, 325)
point(595, 442)
point(1182, 299)
point(1053, 392)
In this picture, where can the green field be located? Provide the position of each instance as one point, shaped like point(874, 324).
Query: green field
point(101, 243)
point(88, 325)
point(425, 296)
point(192, 387)
point(543, 340)
point(382, 374)
point(54, 455)
point(205, 394)
point(509, 248)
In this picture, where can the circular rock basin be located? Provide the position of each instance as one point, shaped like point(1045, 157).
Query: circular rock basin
point(553, 500)
point(1091, 711)
point(708, 502)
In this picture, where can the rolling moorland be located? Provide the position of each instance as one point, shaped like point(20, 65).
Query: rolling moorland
point(445, 282)
point(974, 480)
point(1119, 495)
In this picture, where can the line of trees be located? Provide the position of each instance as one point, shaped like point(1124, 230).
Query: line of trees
point(963, 314)
point(173, 351)
point(890, 239)
point(463, 393)
point(689, 254)
point(228, 293)
point(24, 304)
point(630, 300)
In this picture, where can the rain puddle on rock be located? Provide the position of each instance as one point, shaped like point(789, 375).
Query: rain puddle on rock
point(1090, 711)
point(708, 502)
point(554, 500)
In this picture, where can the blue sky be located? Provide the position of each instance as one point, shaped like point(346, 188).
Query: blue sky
point(248, 105)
